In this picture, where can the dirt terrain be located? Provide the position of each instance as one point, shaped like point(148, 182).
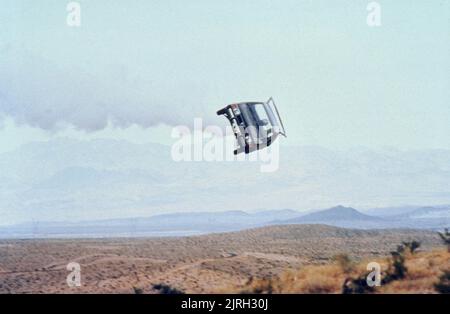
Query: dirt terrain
point(203, 264)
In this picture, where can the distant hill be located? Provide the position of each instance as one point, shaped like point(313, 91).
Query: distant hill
point(317, 232)
point(347, 217)
point(196, 223)
point(337, 216)
point(174, 224)
point(67, 180)
point(336, 213)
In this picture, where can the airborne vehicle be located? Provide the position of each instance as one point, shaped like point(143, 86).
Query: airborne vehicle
point(255, 124)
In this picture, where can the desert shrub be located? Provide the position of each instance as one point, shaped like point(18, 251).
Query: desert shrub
point(166, 289)
point(358, 285)
point(322, 279)
point(445, 236)
point(259, 286)
point(138, 290)
point(411, 246)
point(309, 279)
point(344, 262)
point(443, 286)
point(397, 268)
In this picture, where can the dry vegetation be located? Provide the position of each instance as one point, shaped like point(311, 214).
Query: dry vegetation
point(425, 270)
point(293, 258)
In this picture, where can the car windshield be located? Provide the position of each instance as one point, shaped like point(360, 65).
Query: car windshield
point(262, 115)
point(259, 114)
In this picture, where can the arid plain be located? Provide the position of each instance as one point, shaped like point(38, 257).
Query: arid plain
point(225, 262)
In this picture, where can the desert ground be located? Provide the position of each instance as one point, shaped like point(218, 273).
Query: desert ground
point(293, 258)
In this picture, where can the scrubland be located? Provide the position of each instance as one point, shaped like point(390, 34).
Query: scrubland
point(276, 259)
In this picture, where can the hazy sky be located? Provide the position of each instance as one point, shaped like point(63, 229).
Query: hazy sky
point(154, 64)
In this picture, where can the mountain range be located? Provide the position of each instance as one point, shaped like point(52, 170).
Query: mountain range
point(183, 224)
point(85, 180)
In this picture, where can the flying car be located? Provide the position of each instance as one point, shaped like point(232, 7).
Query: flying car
point(256, 125)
